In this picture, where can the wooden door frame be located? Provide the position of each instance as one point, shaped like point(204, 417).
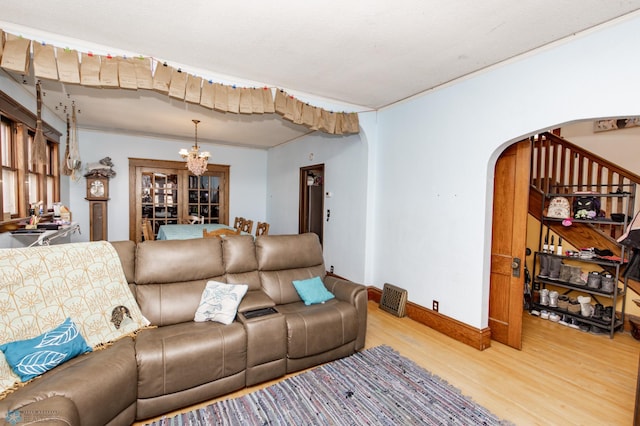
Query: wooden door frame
point(303, 211)
point(135, 167)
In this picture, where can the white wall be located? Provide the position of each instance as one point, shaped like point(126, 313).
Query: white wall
point(420, 175)
point(345, 162)
point(436, 155)
point(247, 185)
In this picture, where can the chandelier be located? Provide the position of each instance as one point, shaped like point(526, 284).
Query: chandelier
point(196, 160)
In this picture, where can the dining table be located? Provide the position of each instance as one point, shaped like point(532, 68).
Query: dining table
point(187, 231)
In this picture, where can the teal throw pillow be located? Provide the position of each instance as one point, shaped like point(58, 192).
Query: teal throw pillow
point(31, 357)
point(312, 291)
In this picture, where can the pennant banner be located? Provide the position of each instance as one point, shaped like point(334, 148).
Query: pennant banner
point(69, 66)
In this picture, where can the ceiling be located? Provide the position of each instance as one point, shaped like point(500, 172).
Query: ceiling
point(349, 55)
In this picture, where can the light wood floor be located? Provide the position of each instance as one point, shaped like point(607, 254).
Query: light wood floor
point(560, 377)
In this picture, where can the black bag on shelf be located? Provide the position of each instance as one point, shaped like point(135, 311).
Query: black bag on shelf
point(586, 207)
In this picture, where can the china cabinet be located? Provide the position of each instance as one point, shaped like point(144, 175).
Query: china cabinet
point(165, 192)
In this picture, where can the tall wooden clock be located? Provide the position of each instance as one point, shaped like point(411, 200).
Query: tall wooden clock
point(97, 195)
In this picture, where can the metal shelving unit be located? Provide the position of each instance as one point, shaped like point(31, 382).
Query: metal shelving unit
point(614, 265)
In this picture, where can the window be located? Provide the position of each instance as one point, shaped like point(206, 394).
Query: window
point(9, 173)
point(22, 183)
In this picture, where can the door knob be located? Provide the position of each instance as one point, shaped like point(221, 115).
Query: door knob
point(515, 267)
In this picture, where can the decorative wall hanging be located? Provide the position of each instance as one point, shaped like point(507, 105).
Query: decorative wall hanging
point(615, 124)
point(74, 162)
point(109, 72)
point(39, 144)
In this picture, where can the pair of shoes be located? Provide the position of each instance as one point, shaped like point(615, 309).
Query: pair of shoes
point(550, 266)
point(544, 297)
point(608, 283)
point(563, 302)
point(574, 306)
point(586, 308)
point(593, 280)
point(598, 311)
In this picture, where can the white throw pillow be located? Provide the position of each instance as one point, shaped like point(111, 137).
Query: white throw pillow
point(219, 302)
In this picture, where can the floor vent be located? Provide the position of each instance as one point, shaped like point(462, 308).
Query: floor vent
point(394, 300)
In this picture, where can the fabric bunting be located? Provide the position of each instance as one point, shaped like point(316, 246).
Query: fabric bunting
point(100, 71)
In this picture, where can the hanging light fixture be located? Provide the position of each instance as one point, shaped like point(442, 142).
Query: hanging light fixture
point(196, 160)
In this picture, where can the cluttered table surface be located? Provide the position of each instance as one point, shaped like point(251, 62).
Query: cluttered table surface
point(186, 232)
point(44, 235)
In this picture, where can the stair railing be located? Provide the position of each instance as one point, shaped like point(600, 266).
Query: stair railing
point(558, 166)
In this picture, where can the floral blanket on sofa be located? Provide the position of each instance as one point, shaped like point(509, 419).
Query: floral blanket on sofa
point(42, 286)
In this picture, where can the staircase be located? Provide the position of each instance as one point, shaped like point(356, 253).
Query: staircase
point(558, 166)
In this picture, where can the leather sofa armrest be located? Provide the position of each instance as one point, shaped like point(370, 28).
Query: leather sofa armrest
point(55, 411)
point(255, 299)
point(344, 290)
point(356, 295)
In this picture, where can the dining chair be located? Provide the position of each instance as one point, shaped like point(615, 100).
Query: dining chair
point(192, 220)
point(238, 222)
point(219, 233)
point(262, 228)
point(247, 226)
point(147, 230)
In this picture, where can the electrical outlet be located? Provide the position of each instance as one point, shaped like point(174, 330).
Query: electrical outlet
point(436, 305)
point(331, 269)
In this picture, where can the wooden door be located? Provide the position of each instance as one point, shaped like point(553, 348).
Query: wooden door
point(508, 243)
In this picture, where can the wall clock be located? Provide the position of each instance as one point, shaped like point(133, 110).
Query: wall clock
point(97, 188)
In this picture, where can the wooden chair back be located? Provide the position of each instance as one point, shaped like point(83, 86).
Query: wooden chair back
point(247, 226)
point(147, 230)
point(192, 220)
point(219, 233)
point(262, 228)
point(238, 222)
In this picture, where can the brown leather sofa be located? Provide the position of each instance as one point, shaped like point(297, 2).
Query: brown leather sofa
point(182, 362)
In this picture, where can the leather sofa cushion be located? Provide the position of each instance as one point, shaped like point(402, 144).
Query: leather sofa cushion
point(127, 253)
point(171, 276)
point(182, 356)
point(102, 384)
point(170, 261)
point(319, 328)
point(239, 257)
point(284, 258)
point(278, 285)
point(278, 252)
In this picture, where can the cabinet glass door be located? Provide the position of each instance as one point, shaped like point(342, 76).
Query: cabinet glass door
point(160, 197)
point(205, 196)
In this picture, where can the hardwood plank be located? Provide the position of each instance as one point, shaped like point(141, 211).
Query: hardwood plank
point(561, 375)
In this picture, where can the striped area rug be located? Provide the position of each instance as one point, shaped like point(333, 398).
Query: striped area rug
point(374, 387)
